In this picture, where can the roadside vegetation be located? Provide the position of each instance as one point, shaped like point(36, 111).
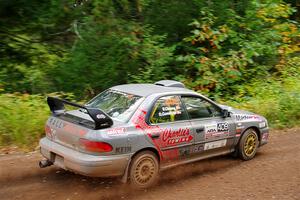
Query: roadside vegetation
point(241, 53)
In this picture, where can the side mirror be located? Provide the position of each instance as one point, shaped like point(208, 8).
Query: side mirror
point(225, 113)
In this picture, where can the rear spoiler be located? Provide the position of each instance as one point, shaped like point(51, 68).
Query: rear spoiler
point(101, 119)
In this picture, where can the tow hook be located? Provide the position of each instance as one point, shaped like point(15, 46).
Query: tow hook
point(45, 163)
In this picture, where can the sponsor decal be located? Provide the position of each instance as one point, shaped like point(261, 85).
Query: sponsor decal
point(115, 131)
point(100, 116)
point(184, 152)
point(214, 145)
point(216, 130)
point(171, 137)
point(173, 108)
point(265, 137)
point(166, 111)
point(247, 117)
point(168, 137)
point(67, 127)
point(198, 148)
point(123, 149)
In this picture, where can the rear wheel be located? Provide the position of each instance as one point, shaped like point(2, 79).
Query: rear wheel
point(144, 170)
point(248, 145)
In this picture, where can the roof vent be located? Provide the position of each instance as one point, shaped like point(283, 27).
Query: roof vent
point(170, 83)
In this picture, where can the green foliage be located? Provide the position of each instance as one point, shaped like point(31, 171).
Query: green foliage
point(27, 70)
point(86, 49)
point(171, 17)
point(111, 54)
point(277, 100)
point(156, 58)
point(220, 55)
point(22, 119)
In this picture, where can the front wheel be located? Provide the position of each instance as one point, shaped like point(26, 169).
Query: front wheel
point(248, 145)
point(144, 170)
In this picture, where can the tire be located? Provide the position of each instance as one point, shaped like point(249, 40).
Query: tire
point(144, 170)
point(248, 145)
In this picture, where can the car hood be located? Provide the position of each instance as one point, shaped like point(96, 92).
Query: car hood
point(236, 111)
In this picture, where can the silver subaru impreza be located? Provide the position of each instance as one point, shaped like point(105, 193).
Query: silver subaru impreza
point(138, 130)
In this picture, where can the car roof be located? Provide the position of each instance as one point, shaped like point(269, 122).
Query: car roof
point(148, 89)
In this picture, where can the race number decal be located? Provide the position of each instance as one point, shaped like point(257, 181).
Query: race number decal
point(222, 127)
point(218, 130)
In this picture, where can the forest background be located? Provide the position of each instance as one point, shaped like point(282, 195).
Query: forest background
point(243, 53)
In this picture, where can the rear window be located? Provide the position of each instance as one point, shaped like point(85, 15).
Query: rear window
point(117, 105)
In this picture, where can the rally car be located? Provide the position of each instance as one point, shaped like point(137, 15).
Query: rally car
point(136, 131)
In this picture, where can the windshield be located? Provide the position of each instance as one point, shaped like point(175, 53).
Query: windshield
point(117, 105)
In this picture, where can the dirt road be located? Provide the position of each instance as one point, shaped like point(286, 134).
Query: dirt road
point(273, 174)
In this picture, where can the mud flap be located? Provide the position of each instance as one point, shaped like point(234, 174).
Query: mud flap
point(125, 176)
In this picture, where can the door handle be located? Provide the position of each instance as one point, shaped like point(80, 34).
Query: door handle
point(199, 129)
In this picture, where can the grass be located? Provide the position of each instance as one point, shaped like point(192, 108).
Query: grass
point(278, 101)
point(22, 119)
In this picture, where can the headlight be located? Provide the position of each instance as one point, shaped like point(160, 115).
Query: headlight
point(263, 124)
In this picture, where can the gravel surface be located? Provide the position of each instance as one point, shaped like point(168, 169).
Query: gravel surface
point(273, 174)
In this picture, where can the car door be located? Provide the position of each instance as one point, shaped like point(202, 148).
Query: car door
point(214, 134)
point(174, 136)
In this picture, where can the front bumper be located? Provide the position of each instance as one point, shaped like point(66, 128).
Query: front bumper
point(82, 163)
point(264, 136)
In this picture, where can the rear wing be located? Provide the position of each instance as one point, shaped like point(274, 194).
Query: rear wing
point(101, 119)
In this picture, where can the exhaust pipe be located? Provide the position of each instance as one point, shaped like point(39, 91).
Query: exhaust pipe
point(45, 163)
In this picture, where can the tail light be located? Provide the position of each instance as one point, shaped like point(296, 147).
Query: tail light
point(48, 131)
point(94, 146)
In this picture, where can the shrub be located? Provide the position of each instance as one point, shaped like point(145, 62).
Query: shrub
point(22, 119)
point(277, 100)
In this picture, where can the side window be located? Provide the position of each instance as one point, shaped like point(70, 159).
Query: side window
point(167, 109)
point(200, 108)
